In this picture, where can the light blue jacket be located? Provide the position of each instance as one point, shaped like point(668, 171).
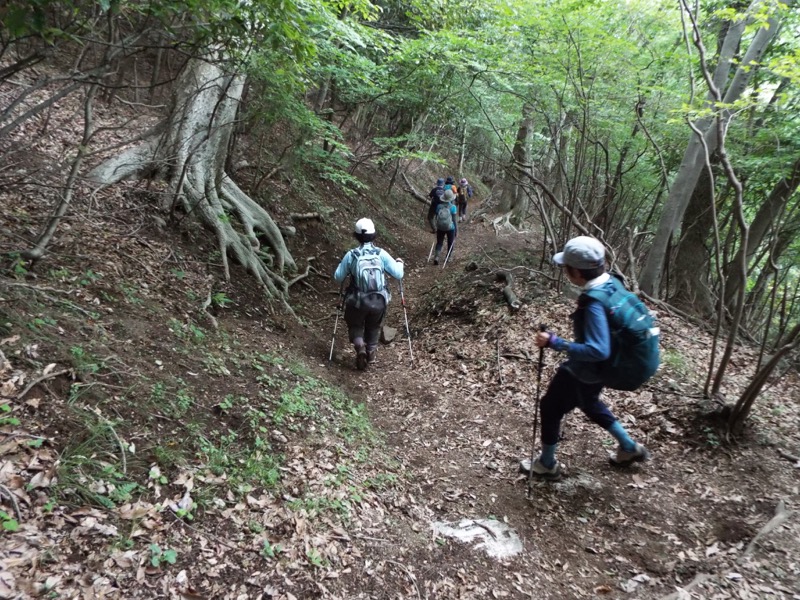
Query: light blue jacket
point(348, 264)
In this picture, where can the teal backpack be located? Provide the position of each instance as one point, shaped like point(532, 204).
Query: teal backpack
point(634, 337)
point(444, 219)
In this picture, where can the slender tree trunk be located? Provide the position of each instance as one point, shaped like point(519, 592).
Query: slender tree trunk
point(767, 217)
point(463, 150)
point(514, 198)
point(744, 404)
point(44, 238)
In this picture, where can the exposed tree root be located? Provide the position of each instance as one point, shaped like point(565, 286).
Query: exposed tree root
point(781, 515)
point(189, 151)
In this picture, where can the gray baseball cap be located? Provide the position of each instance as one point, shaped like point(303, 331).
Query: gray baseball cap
point(582, 252)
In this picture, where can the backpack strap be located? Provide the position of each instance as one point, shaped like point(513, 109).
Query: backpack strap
point(620, 305)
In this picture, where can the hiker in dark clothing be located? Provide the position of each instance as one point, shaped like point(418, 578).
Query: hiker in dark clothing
point(577, 383)
point(437, 196)
point(464, 195)
point(444, 223)
point(367, 296)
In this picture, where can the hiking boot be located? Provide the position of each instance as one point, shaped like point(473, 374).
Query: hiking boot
point(623, 458)
point(436, 260)
point(539, 470)
point(371, 355)
point(361, 359)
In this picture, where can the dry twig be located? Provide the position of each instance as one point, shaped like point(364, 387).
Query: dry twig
point(39, 380)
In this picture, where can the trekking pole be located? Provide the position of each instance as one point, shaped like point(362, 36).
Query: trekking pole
point(433, 245)
point(449, 250)
point(336, 322)
point(542, 327)
point(408, 331)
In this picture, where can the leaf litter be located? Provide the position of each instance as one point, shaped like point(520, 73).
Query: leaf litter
point(354, 520)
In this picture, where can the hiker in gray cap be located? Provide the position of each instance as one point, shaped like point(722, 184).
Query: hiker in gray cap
point(579, 381)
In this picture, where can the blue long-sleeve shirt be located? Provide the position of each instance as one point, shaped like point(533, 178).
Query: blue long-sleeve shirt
point(592, 343)
point(348, 264)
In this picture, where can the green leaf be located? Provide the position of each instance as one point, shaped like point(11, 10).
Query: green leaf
point(10, 525)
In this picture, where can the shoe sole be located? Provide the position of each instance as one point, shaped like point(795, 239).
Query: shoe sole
point(541, 476)
point(643, 457)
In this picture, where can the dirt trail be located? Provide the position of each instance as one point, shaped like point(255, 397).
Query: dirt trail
point(458, 425)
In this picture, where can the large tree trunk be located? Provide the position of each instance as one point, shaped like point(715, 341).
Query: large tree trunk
point(694, 157)
point(189, 150)
point(692, 287)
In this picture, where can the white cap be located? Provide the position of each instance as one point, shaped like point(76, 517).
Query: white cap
point(365, 226)
point(582, 252)
point(449, 195)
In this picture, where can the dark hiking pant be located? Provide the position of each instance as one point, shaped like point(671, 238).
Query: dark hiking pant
point(364, 319)
point(440, 235)
point(462, 209)
point(564, 394)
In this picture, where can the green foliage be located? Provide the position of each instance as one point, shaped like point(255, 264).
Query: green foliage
point(5, 409)
point(7, 523)
point(159, 556)
point(269, 550)
point(41, 322)
point(712, 437)
point(675, 361)
point(297, 402)
point(220, 300)
point(89, 277)
point(315, 558)
point(84, 361)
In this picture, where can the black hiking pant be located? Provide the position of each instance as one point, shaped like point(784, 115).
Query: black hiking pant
point(364, 319)
point(564, 394)
point(451, 239)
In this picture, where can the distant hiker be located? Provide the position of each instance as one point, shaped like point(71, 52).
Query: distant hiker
point(464, 195)
point(450, 184)
point(367, 296)
point(437, 196)
point(444, 223)
point(581, 378)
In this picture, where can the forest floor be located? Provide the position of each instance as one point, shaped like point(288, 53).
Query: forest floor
point(154, 448)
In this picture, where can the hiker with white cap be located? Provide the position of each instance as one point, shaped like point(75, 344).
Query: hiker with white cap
point(579, 381)
point(367, 295)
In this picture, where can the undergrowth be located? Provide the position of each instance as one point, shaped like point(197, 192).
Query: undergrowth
point(187, 399)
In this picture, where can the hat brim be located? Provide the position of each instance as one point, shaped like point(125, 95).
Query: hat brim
point(558, 258)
